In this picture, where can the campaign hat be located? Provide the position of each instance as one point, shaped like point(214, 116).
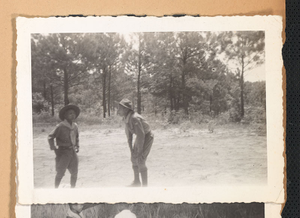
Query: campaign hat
point(126, 103)
point(66, 108)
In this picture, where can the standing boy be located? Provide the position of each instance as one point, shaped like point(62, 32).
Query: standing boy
point(136, 124)
point(67, 144)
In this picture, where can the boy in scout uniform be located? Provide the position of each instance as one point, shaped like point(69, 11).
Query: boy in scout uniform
point(136, 124)
point(67, 144)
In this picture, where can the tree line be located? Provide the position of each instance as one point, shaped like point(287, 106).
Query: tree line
point(158, 71)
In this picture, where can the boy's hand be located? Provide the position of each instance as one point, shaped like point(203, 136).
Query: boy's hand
point(53, 147)
point(76, 149)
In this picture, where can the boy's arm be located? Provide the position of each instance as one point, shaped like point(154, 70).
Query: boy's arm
point(129, 138)
point(77, 141)
point(51, 138)
point(140, 135)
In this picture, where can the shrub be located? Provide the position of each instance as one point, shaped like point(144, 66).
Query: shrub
point(44, 117)
point(113, 120)
point(185, 125)
point(254, 115)
point(199, 117)
point(223, 118)
point(175, 117)
point(234, 115)
point(39, 104)
point(88, 119)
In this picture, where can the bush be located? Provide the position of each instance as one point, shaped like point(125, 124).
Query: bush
point(199, 117)
point(39, 104)
point(84, 118)
point(175, 117)
point(185, 125)
point(223, 118)
point(113, 120)
point(88, 119)
point(254, 115)
point(234, 115)
point(91, 119)
point(44, 117)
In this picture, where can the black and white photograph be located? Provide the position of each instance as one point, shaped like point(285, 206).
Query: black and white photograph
point(141, 107)
point(194, 101)
point(141, 210)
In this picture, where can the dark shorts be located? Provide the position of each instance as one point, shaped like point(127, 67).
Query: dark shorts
point(66, 159)
point(140, 161)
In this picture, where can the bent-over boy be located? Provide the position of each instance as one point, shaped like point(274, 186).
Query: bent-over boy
point(136, 124)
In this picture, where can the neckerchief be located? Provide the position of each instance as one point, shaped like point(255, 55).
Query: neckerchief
point(72, 131)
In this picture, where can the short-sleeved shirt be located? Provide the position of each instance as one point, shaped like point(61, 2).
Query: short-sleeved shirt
point(136, 124)
point(66, 135)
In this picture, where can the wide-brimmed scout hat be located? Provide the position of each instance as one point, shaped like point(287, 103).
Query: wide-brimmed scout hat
point(126, 103)
point(68, 107)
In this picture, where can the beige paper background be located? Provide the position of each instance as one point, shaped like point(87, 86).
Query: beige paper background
point(10, 9)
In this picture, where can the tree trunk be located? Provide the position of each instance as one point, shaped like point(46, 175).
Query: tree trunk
point(133, 100)
point(210, 104)
point(155, 106)
point(184, 99)
point(139, 97)
point(242, 88)
point(171, 99)
point(104, 93)
point(45, 91)
point(52, 100)
point(66, 87)
point(177, 100)
point(108, 97)
point(113, 100)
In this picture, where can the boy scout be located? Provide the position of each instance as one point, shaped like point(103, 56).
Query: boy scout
point(136, 124)
point(67, 144)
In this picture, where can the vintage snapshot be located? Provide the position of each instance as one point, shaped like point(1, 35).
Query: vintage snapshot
point(128, 109)
point(125, 210)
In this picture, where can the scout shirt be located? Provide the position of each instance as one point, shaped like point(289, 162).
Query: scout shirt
point(136, 124)
point(66, 135)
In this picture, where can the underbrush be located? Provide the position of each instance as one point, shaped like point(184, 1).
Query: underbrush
point(45, 119)
point(195, 120)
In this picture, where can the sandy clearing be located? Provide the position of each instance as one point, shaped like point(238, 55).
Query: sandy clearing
point(178, 158)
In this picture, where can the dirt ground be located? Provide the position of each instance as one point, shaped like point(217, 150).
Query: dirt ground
point(230, 155)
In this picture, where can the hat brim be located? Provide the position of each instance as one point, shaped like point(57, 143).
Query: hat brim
point(125, 106)
point(68, 107)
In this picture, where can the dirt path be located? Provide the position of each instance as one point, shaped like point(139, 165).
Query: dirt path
point(190, 158)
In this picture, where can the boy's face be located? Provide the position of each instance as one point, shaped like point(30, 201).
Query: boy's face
point(122, 111)
point(70, 115)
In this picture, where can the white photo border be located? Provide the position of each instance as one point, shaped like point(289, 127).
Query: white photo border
point(272, 192)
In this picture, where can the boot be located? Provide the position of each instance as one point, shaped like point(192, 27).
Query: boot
point(144, 175)
point(136, 182)
point(57, 181)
